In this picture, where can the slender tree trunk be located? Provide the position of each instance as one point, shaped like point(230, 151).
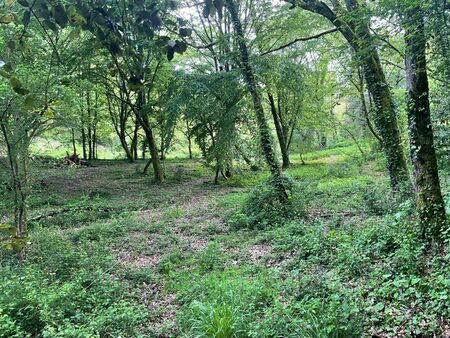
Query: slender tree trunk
point(89, 123)
point(144, 122)
point(247, 71)
point(83, 141)
point(280, 133)
point(73, 143)
point(134, 141)
point(362, 97)
point(17, 154)
point(429, 198)
point(144, 146)
point(189, 138)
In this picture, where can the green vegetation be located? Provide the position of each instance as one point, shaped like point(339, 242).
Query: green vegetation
point(224, 168)
point(171, 261)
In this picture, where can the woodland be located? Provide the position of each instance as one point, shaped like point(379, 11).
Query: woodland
point(225, 168)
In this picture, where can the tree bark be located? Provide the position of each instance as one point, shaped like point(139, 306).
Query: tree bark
point(280, 132)
point(134, 141)
point(145, 124)
point(430, 204)
point(247, 71)
point(83, 141)
point(73, 142)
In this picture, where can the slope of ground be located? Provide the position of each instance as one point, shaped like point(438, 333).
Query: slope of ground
point(114, 254)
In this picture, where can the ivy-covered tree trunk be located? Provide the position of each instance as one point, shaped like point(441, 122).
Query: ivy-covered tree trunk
point(280, 132)
point(429, 198)
point(386, 120)
point(354, 26)
point(247, 71)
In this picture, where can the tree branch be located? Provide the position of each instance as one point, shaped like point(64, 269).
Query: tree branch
point(308, 38)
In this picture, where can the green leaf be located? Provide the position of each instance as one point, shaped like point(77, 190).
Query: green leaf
point(15, 82)
point(74, 34)
point(51, 25)
point(24, 3)
point(6, 18)
point(156, 19)
point(378, 307)
point(26, 18)
point(60, 15)
point(180, 47)
point(4, 74)
point(185, 32)
point(170, 53)
point(21, 91)
point(30, 102)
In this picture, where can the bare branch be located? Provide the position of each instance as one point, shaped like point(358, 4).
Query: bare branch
point(308, 38)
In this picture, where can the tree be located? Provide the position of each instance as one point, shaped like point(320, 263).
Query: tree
point(423, 155)
point(249, 76)
point(353, 23)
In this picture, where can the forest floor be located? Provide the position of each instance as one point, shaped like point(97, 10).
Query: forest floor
point(114, 254)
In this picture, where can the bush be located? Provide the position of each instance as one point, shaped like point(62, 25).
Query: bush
point(263, 208)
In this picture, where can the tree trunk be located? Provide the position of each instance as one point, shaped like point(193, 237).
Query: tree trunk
point(73, 143)
point(89, 123)
point(188, 135)
point(134, 141)
point(247, 71)
point(429, 198)
point(386, 121)
point(83, 141)
point(17, 153)
point(358, 35)
point(280, 133)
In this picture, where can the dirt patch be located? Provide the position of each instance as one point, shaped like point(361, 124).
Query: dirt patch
point(135, 260)
point(258, 251)
point(163, 308)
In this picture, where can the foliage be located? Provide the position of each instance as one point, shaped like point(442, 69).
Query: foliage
point(263, 209)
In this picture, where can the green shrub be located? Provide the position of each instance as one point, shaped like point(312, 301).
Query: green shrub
point(263, 208)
